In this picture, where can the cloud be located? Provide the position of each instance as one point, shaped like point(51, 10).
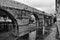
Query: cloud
point(37, 2)
point(42, 3)
point(46, 5)
point(47, 9)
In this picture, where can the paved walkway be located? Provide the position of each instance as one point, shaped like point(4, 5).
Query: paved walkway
point(52, 35)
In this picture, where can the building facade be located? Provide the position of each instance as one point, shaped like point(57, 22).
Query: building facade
point(58, 14)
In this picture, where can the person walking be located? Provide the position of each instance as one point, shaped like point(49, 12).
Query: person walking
point(55, 22)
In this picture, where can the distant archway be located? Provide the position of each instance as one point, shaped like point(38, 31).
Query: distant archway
point(36, 16)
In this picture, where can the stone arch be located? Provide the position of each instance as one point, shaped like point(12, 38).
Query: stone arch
point(15, 24)
point(8, 14)
point(36, 16)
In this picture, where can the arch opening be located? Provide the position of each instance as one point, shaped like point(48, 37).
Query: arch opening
point(34, 18)
point(7, 22)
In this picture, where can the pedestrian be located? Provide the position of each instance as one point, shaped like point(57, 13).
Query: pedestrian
point(55, 20)
point(57, 33)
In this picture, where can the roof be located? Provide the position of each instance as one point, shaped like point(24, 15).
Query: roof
point(18, 5)
point(47, 14)
point(12, 4)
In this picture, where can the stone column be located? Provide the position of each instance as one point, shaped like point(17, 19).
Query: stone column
point(43, 27)
point(32, 35)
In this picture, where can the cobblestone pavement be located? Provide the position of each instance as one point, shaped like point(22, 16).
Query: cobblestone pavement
point(52, 35)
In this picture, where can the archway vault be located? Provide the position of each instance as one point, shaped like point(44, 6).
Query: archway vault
point(15, 24)
point(8, 14)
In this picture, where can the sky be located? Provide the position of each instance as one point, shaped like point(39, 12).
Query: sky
point(44, 5)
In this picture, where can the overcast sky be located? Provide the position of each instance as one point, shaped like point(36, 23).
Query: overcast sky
point(44, 5)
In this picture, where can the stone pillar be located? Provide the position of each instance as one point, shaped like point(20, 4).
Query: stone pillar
point(32, 35)
point(43, 27)
point(52, 19)
point(43, 30)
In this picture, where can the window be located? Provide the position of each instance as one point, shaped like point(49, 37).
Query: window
point(5, 19)
point(5, 24)
point(2, 19)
